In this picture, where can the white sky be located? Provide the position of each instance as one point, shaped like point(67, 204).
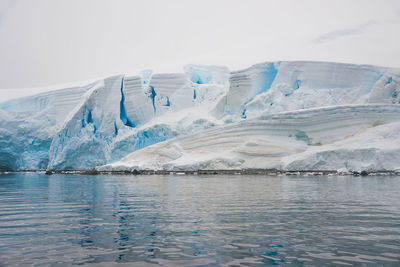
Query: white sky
point(46, 42)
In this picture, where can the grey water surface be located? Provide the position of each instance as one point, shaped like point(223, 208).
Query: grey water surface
point(184, 220)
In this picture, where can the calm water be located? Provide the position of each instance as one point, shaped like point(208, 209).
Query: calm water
point(170, 220)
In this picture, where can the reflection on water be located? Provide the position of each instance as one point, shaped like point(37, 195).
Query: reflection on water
point(199, 220)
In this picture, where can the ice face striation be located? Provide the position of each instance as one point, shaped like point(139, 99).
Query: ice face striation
point(83, 140)
point(28, 126)
point(273, 141)
point(282, 86)
point(287, 115)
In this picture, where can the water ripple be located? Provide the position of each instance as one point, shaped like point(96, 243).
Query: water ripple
point(198, 220)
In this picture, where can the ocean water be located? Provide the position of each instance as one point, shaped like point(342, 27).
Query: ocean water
point(188, 220)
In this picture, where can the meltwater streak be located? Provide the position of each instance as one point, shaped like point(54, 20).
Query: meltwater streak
point(198, 220)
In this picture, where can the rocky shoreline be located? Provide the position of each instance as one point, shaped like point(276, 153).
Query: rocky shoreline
point(272, 172)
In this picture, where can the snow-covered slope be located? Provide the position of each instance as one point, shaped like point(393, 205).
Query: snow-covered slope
point(284, 115)
point(301, 140)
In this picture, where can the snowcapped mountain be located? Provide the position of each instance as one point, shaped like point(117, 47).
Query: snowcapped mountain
point(281, 115)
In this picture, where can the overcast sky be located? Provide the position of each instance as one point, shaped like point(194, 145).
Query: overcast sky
point(47, 42)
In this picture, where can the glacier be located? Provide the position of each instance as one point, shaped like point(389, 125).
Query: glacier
point(296, 115)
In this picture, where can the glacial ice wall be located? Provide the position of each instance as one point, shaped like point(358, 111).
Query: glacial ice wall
point(282, 86)
point(263, 142)
point(28, 126)
point(101, 123)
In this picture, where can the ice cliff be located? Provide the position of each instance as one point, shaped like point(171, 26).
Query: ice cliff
point(281, 115)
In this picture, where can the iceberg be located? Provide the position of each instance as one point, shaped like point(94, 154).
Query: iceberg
point(275, 115)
